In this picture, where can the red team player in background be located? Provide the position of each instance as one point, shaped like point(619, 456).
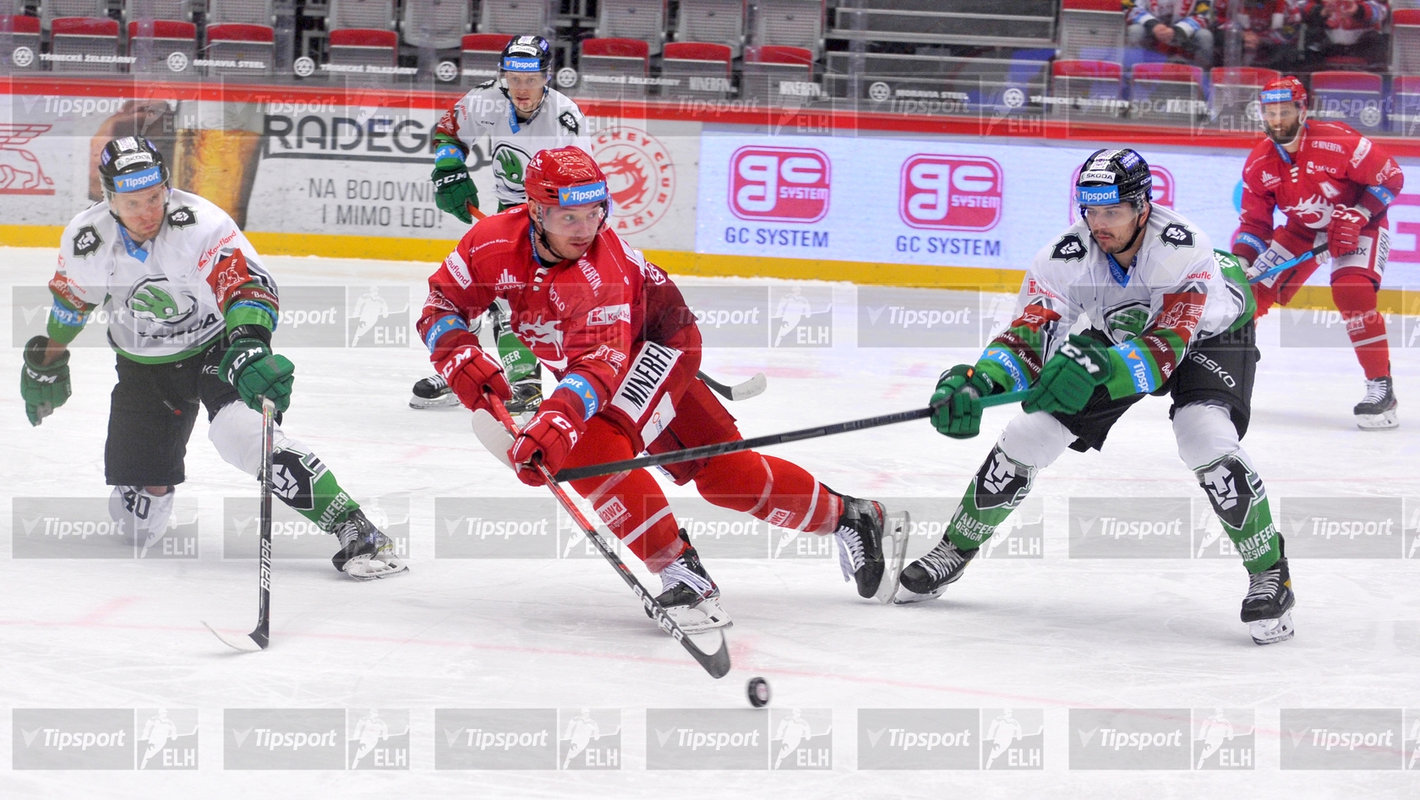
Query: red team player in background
point(625, 348)
point(1334, 185)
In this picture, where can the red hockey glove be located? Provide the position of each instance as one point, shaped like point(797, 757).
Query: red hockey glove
point(548, 437)
point(1344, 233)
point(471, 372)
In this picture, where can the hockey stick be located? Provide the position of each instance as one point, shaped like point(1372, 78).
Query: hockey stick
point(1288, 264)
point(711, 450)
point(716, 663)
point(261, 635)
point(739, 391)
point(473, 210)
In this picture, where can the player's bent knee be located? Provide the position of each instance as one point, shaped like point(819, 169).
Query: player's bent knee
point(1035, 440)
point(1204, 433)
point(236, 433)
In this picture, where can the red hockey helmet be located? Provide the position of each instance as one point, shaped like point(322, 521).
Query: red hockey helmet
point(567, 176)
point(1286, 89)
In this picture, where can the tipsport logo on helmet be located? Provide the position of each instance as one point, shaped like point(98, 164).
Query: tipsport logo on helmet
point(585, 194)
point(1276, 96)
point(1097, 196)
point(136, 181)
point(521, 64)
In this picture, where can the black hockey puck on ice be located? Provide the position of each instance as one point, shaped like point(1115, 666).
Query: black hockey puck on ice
point(758, 691)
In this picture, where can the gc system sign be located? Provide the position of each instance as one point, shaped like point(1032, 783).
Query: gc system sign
point(955, 193)
point(780, 184)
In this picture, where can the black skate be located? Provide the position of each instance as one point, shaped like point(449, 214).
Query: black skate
point(930, 575)
point(432, 392)
point(527, 395)
point(688, 594)
point(1267, 608)
point(862, 529)
point(1377, 410)
point(365, 552)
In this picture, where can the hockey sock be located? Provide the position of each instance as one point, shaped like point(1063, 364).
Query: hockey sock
point(996, 490)
point(779, 492)
point(1355, 297)
point(518, 361)
point(303, 482)
point(1240, 501)
point(630, 503)
point(140, 514)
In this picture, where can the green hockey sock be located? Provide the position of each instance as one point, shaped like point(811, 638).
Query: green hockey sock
point(1240, 501)
point(303, 482)
point(996, 490)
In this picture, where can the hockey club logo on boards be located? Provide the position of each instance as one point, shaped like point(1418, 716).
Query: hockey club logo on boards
point(1130, 527)
point(730, 316)
point(1341, 527)
point(377, 739)
point(589, 739)
point(950, 192)
point(1012, 739)
point(283, 738)
point(85, 527)
point(919, 738)
point(20, 170)
point(779, 184)
point(901, 317)
point(801, 739)
point(800, 316)
point(495, 738)
point(1224, 739)
point(1130, 739)
point(495, 527)
point(377, 316)
point(1342, 738)
point(706, 739)
point(640, 174)
point(297, 537)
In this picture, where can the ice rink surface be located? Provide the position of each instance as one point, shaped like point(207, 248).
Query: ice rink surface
point(1081, 650)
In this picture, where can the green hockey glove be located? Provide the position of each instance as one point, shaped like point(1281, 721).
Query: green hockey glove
point(956, 404)
point(1070, 376)
point(44, 387)
point(255, 372)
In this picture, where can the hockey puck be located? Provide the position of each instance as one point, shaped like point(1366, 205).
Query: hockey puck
point(758, 691)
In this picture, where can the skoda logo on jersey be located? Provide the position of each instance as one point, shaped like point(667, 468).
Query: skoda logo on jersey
point(155, 300)
point(582, 195)
point(1097, 195)
point(133, 182)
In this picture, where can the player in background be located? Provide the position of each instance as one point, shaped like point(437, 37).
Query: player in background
point(1167, 316)
point(514, 116)
point(616, 332)
point(191, 310)
point(1334, 186)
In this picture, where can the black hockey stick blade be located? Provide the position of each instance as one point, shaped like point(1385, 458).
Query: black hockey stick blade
point(261, 634)
point(740, 391)
point(712, 450)
point(717, 663)
point(1288, 264)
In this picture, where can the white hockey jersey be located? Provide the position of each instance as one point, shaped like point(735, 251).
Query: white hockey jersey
point(486, 115)
point(1174, 294)
point(161, 299)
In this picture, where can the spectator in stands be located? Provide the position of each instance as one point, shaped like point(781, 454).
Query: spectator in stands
point(1346, 33)
point(1173, 28)
point(1260, 33)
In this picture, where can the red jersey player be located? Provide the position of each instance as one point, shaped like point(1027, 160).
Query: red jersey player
point(1334, 186)
point(617, 334)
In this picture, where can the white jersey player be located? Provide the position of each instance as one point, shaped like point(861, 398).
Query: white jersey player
point(191, 310)
point(1167, 315)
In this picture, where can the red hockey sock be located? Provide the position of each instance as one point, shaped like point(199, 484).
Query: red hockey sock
point(631, 503)
point(1355, 297)
point(772, 489)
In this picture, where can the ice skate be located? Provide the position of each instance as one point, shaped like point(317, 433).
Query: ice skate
point(865, 533)
point(1377, 410)
point(527, 395)
point(929, 576)
point(432, 392)
point(688, 594)
point(1267, 608)
point(365, 552)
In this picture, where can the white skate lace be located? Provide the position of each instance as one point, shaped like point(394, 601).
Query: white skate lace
point(1376, 391)
point(439, 383)
point(1263, 585)
point(850, 551)
point(678, 572)
point(942, 560)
